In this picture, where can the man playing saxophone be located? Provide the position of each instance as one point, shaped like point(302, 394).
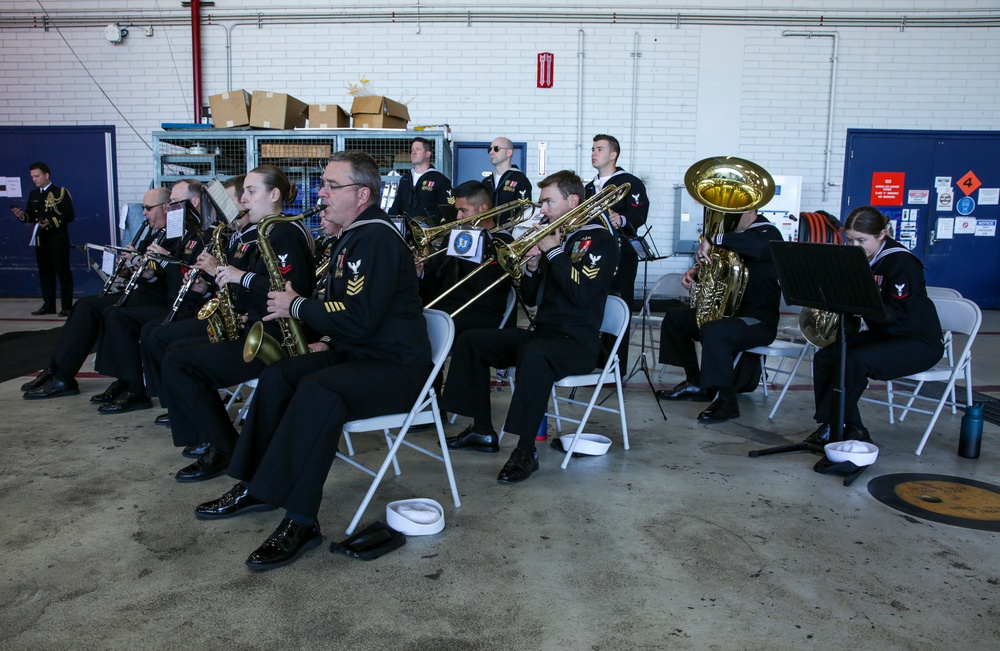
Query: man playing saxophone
point(754, 324)
point(373, 358)
point(192, 374)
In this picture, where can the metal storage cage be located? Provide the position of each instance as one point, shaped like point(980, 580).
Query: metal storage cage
point(205, 154)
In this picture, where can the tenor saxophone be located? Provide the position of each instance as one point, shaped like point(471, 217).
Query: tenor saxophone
point(220, 312)
point(259, 343)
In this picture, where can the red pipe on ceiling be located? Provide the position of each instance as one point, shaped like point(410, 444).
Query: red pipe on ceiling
point(196, 57)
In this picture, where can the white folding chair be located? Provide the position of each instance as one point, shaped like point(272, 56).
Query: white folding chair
point(441, 330)
point(616, 322)
point(783, 351)
point(511, 302)
point(958, 316)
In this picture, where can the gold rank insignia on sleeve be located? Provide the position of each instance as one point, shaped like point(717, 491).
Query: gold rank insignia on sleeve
point(591, 270)
point(334, 306)
point(357, 282)
point(574, 275)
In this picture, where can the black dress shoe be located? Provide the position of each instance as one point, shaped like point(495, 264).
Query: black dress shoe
point(211, 464)
point(289, 541)
point(719, 411)
point(39, 380)
point(855, 433)
point(469, 439)
point(235, 501)
point(110, 394)
point(44, 310)
point(684, 391)
point(519, 467)
point(195, 451)
point(163, 419)
point(53, 388)
point(125, 403)
point(820, 437)
point(64, 312)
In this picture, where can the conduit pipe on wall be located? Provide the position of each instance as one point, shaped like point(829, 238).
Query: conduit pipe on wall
point(635, 101)
point(580, 55)
point(833, 90)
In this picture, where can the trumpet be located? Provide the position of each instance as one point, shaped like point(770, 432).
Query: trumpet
point(512, 256)
point(423, 237)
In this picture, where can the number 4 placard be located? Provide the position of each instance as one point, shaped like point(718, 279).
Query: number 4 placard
point(969, 183)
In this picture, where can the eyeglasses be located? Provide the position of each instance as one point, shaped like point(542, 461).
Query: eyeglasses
point(148, 208)
point(496, 148)
point(330, 187)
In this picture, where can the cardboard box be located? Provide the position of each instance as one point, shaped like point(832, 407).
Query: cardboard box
point(377, 112)
point(276, 111)
point(295, 150)
point(328, 116)
point(230, 109)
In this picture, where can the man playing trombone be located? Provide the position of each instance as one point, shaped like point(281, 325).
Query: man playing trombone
point(568, 282)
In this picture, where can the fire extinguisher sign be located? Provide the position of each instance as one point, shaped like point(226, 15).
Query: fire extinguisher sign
point(545, 66)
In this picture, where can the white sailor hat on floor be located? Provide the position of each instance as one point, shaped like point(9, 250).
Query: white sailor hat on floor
point(416, 517)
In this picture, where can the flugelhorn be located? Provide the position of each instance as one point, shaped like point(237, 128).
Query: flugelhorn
point(511, 256)
point(424, 236)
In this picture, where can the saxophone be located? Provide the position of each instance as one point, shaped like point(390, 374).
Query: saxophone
point(220, 312)
point(727, 186)
point(259, 343)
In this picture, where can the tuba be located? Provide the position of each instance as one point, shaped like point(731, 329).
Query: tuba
point(220, 312)
point(727, 187)
point(259, 343)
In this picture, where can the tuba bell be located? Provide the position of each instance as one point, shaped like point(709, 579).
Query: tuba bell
point(727, 186)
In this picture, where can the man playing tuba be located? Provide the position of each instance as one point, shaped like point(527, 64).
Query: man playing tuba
point(755, 322)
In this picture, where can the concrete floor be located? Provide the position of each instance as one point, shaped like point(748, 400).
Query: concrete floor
point(683, 542)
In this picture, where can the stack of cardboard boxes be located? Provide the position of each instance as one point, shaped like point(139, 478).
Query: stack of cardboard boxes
point(268, 110)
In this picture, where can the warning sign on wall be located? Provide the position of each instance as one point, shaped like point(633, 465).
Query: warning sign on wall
point(887, 188)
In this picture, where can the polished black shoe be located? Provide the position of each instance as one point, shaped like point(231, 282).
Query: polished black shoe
point(719, 411)
point(820, 437)
point(469, 439)
point(195, 451)
point(289, 541)
point(684, 391)
point(854, 433)
point(211, 464)
point(110, 394)
point(44, 310)
point(53, 388)
point(163, 419)
point(519, 467)
point(235, 501)
point(39, 380)
point(64, 312)
point(125, 403)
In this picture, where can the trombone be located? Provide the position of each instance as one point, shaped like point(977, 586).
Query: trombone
point(423, 236)
point(512, 256)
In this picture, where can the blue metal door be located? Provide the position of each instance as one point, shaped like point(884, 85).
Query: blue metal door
point(82, 160)
point(472, 160)
point(922, 181)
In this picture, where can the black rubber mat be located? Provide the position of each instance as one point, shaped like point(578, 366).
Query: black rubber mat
point(957, 501)
point(25, 352)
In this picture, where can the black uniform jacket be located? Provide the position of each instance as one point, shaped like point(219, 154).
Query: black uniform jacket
point(570, 286)
point(899, 275)
point(444, 271)
point(292, 245)
point(433, 189)
point(372, 307)
point(634, 206)
point(762, 296)
point(513, 185)
point(56, 205)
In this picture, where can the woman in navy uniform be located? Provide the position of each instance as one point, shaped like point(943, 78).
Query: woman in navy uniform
point(907, 341)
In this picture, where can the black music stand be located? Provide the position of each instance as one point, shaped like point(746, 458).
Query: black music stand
point(833, 278)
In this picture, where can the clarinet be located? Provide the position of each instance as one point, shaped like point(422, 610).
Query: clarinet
point(195, 274)
point(141, 233)
point(139, 268)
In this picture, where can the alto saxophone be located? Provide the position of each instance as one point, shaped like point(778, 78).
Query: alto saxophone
point(258, 342)
point(220, 312)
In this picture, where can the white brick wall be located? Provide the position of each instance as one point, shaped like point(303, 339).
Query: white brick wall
point(758, 94)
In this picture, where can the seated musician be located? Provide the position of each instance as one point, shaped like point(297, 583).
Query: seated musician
point(84, 326)
point(120, 354)
point(908, 340)
point(722, 339)
point(373, 358)
point(191, 375)
point(569, 282)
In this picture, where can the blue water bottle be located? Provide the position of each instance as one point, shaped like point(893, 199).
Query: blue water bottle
point(971, 438)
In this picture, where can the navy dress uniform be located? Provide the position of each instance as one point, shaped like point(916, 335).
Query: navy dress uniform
point(422, 200)
point(52, 244)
